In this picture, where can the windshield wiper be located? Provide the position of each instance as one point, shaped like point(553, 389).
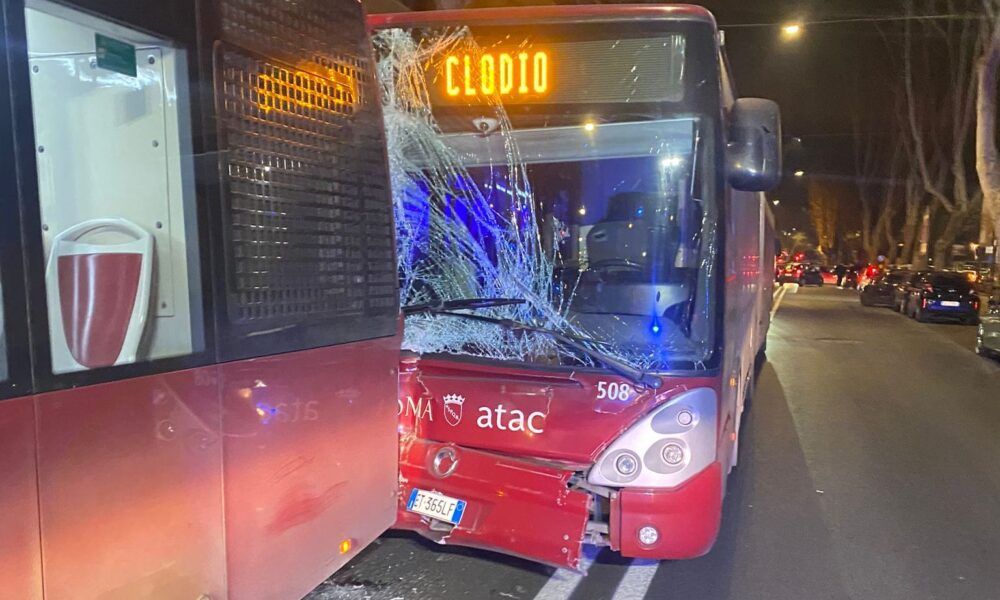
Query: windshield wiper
point(439, 305)
point(637, 376)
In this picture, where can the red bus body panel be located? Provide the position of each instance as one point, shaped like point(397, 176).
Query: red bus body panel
point(20, 554)
point(688, 517)
point(133, 484)
point(238, 480)
point(317, 467)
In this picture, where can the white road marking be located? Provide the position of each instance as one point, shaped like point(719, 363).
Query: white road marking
point(779, 298)
point(637, 580)
point(563, 581)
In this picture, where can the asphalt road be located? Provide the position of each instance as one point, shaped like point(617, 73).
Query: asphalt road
point(871, 469)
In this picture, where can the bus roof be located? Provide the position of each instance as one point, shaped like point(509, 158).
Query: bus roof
point(544, 14)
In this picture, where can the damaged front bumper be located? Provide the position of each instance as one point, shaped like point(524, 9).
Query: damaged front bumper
point(530, 491)
point(515, 506)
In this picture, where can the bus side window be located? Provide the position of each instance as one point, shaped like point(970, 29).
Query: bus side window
point(115, 191)
point(3, 338)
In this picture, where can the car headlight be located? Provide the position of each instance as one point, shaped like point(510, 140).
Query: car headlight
point(664, 448)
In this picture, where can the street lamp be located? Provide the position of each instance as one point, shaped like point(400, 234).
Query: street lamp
point(799, 173)
point(791, 31)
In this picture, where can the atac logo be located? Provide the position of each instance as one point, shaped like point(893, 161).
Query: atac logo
point(453, 408)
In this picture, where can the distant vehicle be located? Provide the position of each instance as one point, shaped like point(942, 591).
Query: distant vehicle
point(829, 276)
point(811, 275)
point(881, 290)
point(851, 277)
point(801, 273)
point(979, 270)
point(942, 295)
point(791, 273)
point(871, 272)
point(988, 338)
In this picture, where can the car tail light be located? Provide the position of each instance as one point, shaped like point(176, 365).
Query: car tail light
point(664, 448)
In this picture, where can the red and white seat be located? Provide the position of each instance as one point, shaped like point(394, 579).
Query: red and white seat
point(98, 279)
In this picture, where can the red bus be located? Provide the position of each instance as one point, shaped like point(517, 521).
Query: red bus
point(600, 403)
point(199, 330)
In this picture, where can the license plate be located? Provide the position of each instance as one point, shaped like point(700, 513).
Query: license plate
point(436, 506)
point(950, 303)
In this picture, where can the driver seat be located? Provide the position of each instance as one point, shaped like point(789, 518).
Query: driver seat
point(623, 236)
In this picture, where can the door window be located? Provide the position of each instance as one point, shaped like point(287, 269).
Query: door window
point(118, 224)
point(3, 339)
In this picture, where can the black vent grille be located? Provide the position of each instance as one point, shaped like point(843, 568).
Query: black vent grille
point(308, 210)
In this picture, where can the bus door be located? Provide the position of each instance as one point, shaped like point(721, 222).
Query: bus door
point(206, 407)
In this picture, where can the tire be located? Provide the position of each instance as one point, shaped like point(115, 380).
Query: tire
point(760, 359)
point(864, 302)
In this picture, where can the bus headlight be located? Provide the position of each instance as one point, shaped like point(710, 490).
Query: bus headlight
point(664, 448)
point(627, 464)
point(672, 454)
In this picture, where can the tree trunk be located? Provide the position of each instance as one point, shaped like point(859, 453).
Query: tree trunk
point(910, 229)
point(942, 246)
point(987, 161)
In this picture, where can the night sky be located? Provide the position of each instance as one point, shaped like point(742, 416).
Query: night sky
point(833, 75)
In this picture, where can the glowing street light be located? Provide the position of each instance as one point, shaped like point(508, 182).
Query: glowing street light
point(800, 173)
point(791, 31)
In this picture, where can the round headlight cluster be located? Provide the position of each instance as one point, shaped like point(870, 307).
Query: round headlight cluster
point(627, 465)
point(672, 454)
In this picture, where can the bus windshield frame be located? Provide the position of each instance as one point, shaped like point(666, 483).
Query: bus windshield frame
point(699, 106)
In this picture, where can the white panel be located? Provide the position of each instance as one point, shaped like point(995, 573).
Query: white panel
point(109, 146)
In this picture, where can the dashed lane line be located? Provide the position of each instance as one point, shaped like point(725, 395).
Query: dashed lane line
point(779, 297)
point(636, 581)
point(563, 581)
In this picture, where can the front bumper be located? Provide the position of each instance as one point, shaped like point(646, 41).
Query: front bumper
point(516, 506)
point(687, 518)
point(527, 509)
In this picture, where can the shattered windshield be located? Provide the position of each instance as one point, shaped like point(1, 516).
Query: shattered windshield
point(597, 219)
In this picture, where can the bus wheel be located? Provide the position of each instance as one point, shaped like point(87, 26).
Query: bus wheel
point(760, 358)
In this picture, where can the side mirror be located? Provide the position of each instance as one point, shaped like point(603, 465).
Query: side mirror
point(753, 155)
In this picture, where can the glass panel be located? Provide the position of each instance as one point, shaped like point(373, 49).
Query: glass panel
point(3, 339)
point(598, 220)
point(115, 191)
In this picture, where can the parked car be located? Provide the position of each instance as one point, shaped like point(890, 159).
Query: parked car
point(988, 338)
point(880, 291)
point(947, 295)
point(902, 289)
